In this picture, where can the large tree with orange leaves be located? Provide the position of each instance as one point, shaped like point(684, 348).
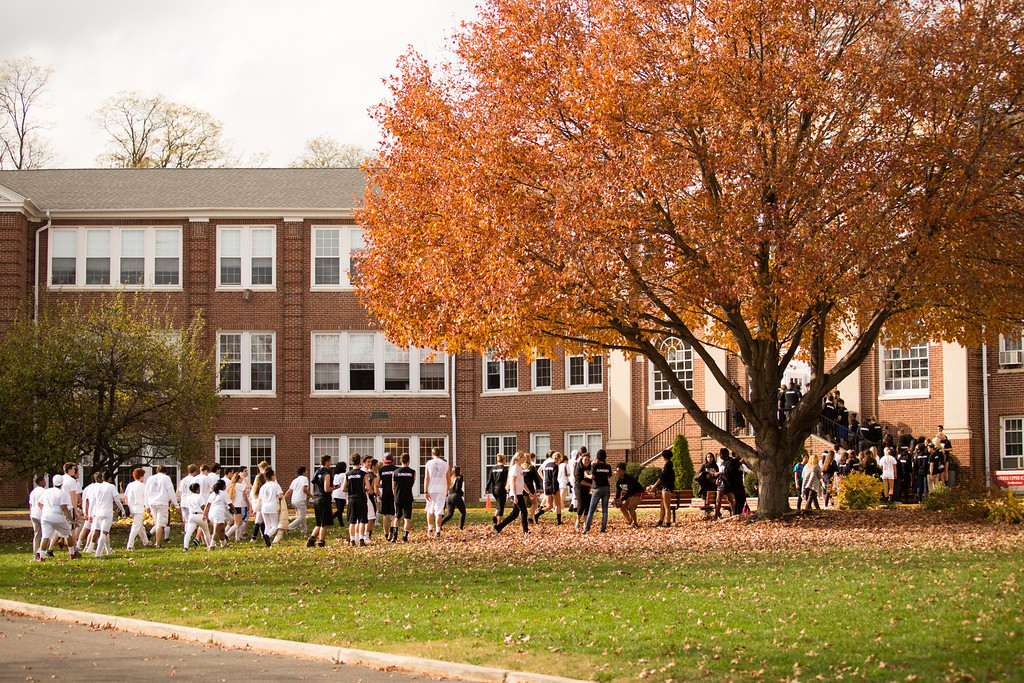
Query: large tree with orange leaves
point(782, 180)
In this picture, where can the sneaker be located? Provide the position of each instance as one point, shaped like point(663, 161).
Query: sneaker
point(311, 542)
point(496, 529)
point(362, 542)
point(266, 539)
point(75, 555)
point(40, 558)
point(321, 544)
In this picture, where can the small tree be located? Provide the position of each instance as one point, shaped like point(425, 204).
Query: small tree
point(325, 152)
point(120, 382)
point(682, 463)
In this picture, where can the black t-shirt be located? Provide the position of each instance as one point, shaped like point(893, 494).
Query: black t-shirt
point(405, 479)
point(921, 464)
point(531, 479)
point(667, 478)
point(602, 472)
point(456, 489)
point(628, 486)
point(498, 479)
point(550, 476)
point(318, 486)
point(355, 479)
point(580, 474)
point(386, 472)
point(938, 460)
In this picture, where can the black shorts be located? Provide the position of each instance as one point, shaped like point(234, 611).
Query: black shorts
point(551, 490)
point(357, 510)
point(403, 508)
point(322, 511)
point(387, 506)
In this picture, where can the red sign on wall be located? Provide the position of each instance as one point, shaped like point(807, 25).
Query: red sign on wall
point(1011, 477)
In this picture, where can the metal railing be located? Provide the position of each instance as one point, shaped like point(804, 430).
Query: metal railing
point(663, 440)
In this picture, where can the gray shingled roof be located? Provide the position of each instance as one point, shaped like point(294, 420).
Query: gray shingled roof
point(194, 188)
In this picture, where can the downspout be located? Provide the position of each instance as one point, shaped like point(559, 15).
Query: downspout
point(35, 310)
point(988, 432)
point(454, 432)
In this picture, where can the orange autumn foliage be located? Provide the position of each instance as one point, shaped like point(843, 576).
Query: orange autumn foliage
point(771, 178)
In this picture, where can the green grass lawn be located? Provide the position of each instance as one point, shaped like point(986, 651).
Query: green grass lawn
point(785, 601)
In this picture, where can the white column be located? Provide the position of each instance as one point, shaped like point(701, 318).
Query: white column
point(620, 405)
point(715, 398)
point(849, 388)
point(954, 392)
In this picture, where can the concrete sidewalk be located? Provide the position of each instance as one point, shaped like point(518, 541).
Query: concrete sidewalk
point(414, 666)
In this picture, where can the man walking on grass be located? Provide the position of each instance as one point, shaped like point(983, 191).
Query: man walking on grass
point(323, 514)
point(100, 513)
point(56, 520)
point(436, 482)
point(160, 497)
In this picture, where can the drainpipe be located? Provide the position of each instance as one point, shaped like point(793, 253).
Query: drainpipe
point(988, 434)
point(35, 310)
point(454, 433)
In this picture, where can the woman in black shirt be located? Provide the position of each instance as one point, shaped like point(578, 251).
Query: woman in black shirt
point(456, 500)
point(665, 485)
point(583, 486)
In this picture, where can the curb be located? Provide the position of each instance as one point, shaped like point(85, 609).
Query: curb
point(328, 653)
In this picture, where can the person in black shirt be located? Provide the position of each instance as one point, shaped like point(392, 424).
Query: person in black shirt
point(533, 484)
point(601, 474)
point(665, 485)
point(455, 500)
point(921, 468)
point(321, 487)
point(904, 474)
point(355, 486)
point(937, 457)
point(549, 476)
point(496, 482)
point(628, 493)
point(581, 475)
point(404, 479)
point(388, 521)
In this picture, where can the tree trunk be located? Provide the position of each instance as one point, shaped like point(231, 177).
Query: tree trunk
point(774, 470)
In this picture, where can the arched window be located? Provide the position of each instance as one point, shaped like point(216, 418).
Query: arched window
point(679, 355)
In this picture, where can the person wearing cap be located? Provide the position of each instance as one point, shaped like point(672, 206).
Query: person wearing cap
point(386, 484)
point(55, 518)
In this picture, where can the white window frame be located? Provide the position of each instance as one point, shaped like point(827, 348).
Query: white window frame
point(906, 355)
point(344, 257)
point(506, 441)
point(1003, 461)
point(503, 363)
point(417, 358)
point(590, 438)
point(246, 363)
point(245, 452)
point(1011, 352)
point(345, 444)
point(535, 439)
point(246, 258)
point(588, 363)
point(533, 373)
point(685, 373)
point(114, 257)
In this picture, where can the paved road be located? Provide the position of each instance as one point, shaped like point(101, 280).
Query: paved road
point(35, 649)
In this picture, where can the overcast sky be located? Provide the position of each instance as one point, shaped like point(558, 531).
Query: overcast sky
point(274, 73)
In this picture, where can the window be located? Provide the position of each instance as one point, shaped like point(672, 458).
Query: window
point(109, 257)
point(491, 446)
point(366, 361)
point(541, 373)
point(363, 445)
point(427, 444)
point(574, 440)
point(905, 371)
point(246, 257)
point(237, 450)
point(246, 362)
point(585, 372)
point(1011, 351)
point(500, 375)
point(540, 444)
point(679, 355)
point(335, 251)
point(1012, 437)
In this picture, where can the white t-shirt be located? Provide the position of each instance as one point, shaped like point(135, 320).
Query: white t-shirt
point(135, 495)
point(89, 499)
point(888, 465)
point(103, 500)
point(268, 497)
point(160, 490)
point(563, 475)
point(52, 500)
point(337, 493)
point(34, 499)
point(437, 472)
point(70, 485)
point(515, 473)
point(240, 500)
point(297, 486)
point(193, 502)
point(183, 487)
point(206, 484)
point(220, 507)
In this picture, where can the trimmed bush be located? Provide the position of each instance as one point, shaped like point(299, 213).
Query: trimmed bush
point(682, 463)
point(634, 469)
point(941, 497)
point(750, 484)
point(858, 491)
point(649, 475)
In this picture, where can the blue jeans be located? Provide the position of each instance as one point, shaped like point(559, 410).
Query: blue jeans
point(598, 495)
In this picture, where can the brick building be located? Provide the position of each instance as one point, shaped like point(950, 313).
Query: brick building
point(266, 254)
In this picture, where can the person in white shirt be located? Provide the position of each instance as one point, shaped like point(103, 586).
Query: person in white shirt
point(338, 494)
point(206, 479)
point(185, 487)
point(193, 502)
point(135, 499)
point(516, 491)
point(73, 489)
point(436, 482)
point(299, 491)
point(270, 495)
point(160, 497)
point(888, 464)
point(88, 493)
point(35, 511)
point(55, 506)
point(101, 513)
point(238, 492)
point(218, 512)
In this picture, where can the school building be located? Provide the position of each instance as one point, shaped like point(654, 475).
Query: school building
point(268, 256)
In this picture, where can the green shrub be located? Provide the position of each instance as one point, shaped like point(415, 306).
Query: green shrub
point(634, 469)
point(941, 497)
point(649, 475)
point(750, 484)
point(1005, 509)
point(682, 463)
point(858, 491)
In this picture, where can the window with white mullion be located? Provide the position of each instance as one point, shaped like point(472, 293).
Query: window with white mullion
point(109, 258)
point(246, 256)
point(500, 375)
point(245, 450)
point(905, 371)
point(335, 250)
point(679, 356)
point(541, 371)
point(584, 372)
point(1012, 446)
point(133, 257)
point(1011, 350)
point(63, 257)
point(246, 362)
point(366, 362)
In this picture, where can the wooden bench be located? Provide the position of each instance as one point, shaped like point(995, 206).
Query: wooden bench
point(679, 499)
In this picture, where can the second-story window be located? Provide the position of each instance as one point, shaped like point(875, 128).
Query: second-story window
point(585, 372)
point(246, 257)
point(500, 375)
point(335, 250)
point(246, 362)
point(130, 258)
